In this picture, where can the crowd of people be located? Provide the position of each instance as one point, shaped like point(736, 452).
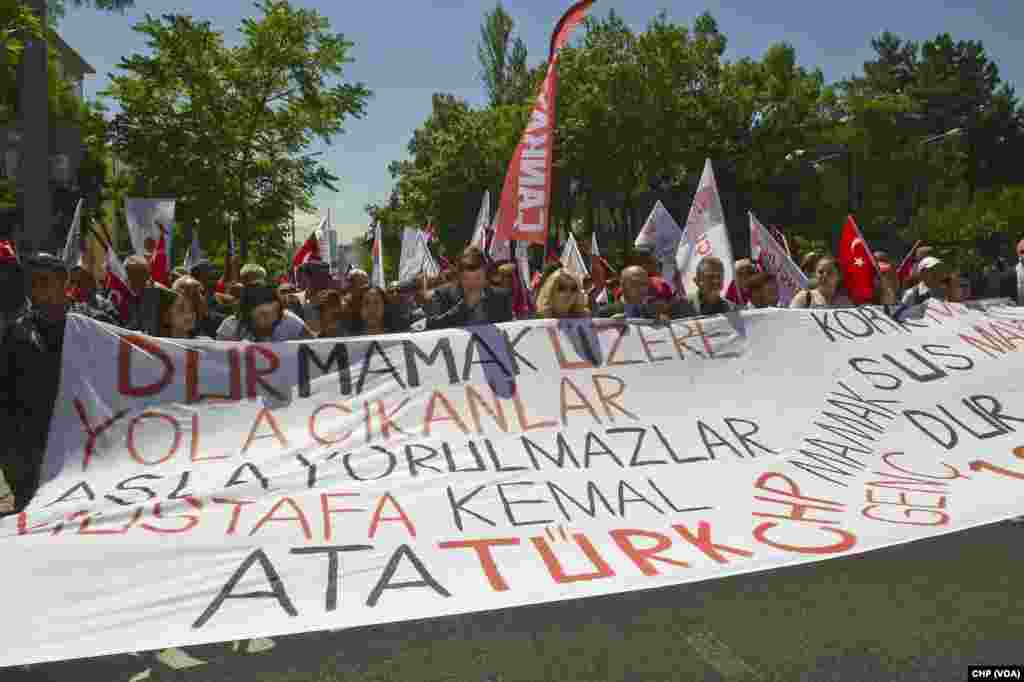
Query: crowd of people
point(38, 292)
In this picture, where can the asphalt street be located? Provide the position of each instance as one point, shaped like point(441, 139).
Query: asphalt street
point(921, 611)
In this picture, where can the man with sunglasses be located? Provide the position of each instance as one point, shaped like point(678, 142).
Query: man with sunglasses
point(471, 300)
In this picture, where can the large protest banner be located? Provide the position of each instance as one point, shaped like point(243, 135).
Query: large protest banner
point(200, 491)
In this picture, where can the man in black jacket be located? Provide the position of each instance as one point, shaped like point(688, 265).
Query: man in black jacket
point(469, 302)
point(30, 364)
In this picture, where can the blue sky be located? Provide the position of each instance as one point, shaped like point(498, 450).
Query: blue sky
point(405, 50)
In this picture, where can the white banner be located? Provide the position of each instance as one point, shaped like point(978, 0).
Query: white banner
point(144, 217)
point(201, 491)
point(767, 252)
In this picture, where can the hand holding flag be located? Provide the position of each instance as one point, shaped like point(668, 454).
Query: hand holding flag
point(857, 264)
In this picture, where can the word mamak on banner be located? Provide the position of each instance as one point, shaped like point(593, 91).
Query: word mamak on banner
point(340, 483)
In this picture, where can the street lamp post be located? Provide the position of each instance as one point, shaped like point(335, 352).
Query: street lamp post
point(828, 154)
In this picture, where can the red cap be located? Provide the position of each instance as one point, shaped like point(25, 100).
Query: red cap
point(659, 288)
point(884, 266)
point(7, 253)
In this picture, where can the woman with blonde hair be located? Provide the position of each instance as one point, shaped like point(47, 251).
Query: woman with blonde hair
point(562, 296)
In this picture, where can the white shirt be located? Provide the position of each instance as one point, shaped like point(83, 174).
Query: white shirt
point(1020, 282)
point(290, 328)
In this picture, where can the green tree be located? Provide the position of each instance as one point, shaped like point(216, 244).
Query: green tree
point(911, 91)
point(227, 130)
point(506, 77)
point(57, 9)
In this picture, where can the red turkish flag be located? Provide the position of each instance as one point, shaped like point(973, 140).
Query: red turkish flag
point(159, 269)
point(310, 250)
point(121, 295)
point(857, 264)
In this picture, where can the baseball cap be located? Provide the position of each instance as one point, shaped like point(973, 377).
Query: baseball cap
point(930, 263)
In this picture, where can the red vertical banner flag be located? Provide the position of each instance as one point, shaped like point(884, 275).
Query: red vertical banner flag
point(525, 206)
point(857, 264)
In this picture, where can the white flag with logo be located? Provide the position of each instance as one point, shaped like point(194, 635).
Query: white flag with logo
point(194, 253)
point(332, 245)
point(705, 234)
point(773, 259)
point(411, 262)
point(483, 218)
point(430, 266)
point(73, 246)
point(661, 231)
point(144, 218)
point(500, 249)
point(572, 259)
point(595, 265)
point(523, 263)
point(377, 279)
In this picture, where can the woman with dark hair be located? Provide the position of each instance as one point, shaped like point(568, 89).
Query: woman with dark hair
point(262, 317)
point(829, 292)
point(376, 315)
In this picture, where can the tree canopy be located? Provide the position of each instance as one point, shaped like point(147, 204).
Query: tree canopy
point(227, 130)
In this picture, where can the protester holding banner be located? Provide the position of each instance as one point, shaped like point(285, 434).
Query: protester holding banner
point(707, 299)
point(329, 312)
point(30, 367)
point(933, 275)
point(252, 274)
point(471, 301)
point(378, 314)
point(177, 314)
point(828, 293)
point(809, 263)
point(764, 289)
point(207, 321)
point(887, 291)
point(502, 275)
point(636, 289)
point(739, 290)
point(562, 297)
point(314, 280)
point(84, 290)
point(261, 317)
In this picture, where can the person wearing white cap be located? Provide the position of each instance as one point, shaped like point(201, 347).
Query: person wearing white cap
point(932, 272)
point(1011, 283)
